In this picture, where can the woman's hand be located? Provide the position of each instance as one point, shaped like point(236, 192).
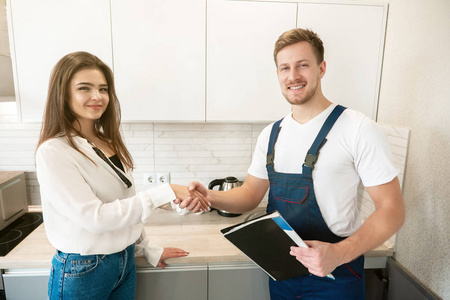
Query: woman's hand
point(170, 253)
point(190, 199)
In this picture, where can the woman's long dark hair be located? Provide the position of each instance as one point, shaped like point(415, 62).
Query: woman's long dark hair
point(58, 117)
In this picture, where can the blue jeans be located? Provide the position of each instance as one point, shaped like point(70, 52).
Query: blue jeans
point(75, 276)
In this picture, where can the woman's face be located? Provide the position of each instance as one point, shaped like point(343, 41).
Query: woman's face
point(88, 95)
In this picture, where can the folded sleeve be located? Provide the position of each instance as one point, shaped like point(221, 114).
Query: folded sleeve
point(157, 197)
point(151, 252)
point(258, 166)
point(373, 158)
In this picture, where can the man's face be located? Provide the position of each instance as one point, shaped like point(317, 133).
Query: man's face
point(299, 73)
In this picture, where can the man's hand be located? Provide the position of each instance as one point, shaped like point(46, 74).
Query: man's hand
point(192, 201)
point(170, 253)
point(240, 199)
point(196, 189)
point(320, 258)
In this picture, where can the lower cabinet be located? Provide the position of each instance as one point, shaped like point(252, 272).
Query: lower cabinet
point(173, 283)
point(232, 281)
point(236, 282)
point(213, 281)
point(24, 284)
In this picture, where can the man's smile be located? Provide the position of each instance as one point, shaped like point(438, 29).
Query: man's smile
point(296, 87)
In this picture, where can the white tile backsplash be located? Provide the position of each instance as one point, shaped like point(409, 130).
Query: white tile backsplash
point(200, 152)
point(203, 151)
point(399, 140)
point(188, 151)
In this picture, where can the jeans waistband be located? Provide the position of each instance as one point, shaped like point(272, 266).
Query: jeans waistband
point(62, 256)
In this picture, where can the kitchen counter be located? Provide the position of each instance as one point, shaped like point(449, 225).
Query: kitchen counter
point(197, 233)
point(8, 175)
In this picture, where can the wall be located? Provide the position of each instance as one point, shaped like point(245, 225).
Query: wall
point(415, 93)
point(6, 79)
point(188, 151)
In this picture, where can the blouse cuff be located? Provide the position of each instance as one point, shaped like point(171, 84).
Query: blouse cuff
point(156, 197)
point(152, 253)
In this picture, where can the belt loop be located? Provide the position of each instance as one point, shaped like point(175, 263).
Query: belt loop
point(61, 256)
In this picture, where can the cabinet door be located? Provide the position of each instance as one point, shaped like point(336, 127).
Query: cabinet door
point(172, 283)
point(26, 284)
point(45, 31)
point(353, 37)
point(236, 282)
point(241, 78)
point(159, 59)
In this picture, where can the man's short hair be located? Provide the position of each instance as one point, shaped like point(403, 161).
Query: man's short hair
point(297, 35)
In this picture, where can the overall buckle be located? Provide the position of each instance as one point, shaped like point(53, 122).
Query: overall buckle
point(310, 160)
point(269, 159)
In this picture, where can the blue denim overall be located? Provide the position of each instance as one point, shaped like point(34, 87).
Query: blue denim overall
point(293, 196)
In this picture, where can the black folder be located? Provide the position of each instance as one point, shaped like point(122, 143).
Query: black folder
point(266, 240)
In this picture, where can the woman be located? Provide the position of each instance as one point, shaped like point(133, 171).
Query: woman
point(92, 214)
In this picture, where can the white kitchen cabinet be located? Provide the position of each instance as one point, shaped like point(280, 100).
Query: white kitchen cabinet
point(20, 284)
point(237, 281)
point(353, 37)
point(159, 59)
point(173, 283)
point(44, 31)
point(241, 75)
point(191, 60)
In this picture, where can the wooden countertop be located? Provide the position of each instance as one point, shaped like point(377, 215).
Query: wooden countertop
point(8, 175)
point(197, 233)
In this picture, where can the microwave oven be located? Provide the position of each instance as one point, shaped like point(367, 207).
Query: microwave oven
point(13, 197)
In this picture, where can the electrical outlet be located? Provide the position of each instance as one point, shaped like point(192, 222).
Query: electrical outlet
point(162, 178)
point(150, 179)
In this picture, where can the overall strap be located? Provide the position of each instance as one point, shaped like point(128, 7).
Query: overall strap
point(313, 152)
point(273, 139)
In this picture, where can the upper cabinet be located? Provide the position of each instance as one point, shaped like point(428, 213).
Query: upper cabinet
point(45, 31)
point(196, 60)
point(159, 59)
point(241, 75)
point(241, 81)
point(353, 37)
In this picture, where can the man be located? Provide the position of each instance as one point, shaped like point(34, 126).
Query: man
point(317, 194)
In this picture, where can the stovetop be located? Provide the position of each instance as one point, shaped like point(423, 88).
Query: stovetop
point(14, 233)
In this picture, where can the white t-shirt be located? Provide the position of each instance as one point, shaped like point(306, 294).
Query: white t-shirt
point(356, 150)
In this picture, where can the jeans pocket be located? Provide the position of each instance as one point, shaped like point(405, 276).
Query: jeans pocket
point(81, 265)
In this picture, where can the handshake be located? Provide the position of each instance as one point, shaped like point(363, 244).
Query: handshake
point(193, 197)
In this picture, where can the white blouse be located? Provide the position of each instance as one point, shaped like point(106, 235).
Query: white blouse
point(87, 208)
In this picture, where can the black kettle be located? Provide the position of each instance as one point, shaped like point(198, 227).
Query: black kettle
point(225, 184)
